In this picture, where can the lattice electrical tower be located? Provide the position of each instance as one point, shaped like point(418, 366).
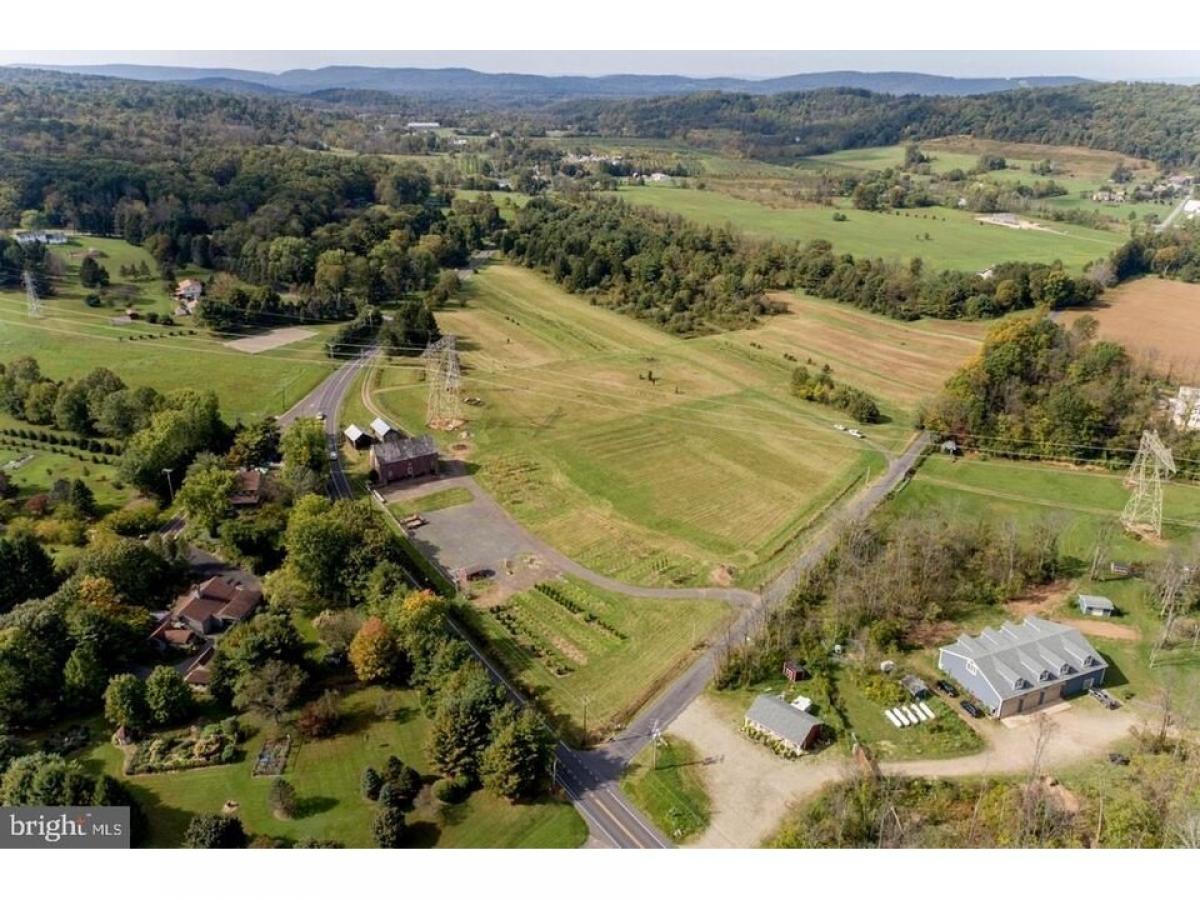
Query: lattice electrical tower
point(31, 296)
point(443, 375)
point(1153, 465)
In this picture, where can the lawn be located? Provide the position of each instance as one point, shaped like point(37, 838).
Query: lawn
point(1078, 499)
point(946, 736)
point(326, 775)
point(943, 238)
point(39, 473)
point(431, 502)
point(590, 657)
point(713, 466)
point(72, 338)
point(667, 783)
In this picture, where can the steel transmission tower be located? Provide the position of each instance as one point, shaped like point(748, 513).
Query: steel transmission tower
point(443, 375)
point(31, 296)
point(1153, 465)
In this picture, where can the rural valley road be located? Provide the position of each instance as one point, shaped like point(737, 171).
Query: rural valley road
point(591, 778)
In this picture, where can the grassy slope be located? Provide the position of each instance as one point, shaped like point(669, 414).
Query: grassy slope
point(326, 775)
point(713, 463)
point(956, 239)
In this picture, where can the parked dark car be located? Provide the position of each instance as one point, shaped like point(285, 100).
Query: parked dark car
point(1118, 759)
point(947, 688)
point(971, 709)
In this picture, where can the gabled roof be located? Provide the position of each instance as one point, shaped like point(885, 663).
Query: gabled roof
point(1016, 658)
point(1091, 601)
point(381, 428)
point(408, 448)
point(777, 715)
point(353, 433)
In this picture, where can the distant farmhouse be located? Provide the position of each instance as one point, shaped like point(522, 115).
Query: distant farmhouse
point(40, 237)
point(773, 717)
point(1019, 668)
point(1185, 409)
point(188, 294)
point(422, 126)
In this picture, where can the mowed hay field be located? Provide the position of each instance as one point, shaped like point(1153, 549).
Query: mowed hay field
point(956, 240)
point(714, 463)
point(1157, 320)
point(72, 338)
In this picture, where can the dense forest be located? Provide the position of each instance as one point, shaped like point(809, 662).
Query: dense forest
point(1155, 121)
point(1039, 388)
point(690, 279)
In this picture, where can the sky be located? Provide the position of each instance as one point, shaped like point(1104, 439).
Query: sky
point(1103, 65)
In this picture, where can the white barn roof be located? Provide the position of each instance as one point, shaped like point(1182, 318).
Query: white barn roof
point(381, 428)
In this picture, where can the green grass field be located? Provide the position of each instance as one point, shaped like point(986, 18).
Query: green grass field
point(1078, 499)
point(1078, 169)
point(606, 652)
point(955, 239)
point(712, 464)
point(326, 775)
point(667, 783)
point(40, 472)
point(72, 338)
point(431, 502)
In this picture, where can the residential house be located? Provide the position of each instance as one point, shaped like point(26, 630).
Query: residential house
point(1019, 668)
point(773, 717)
point(208, 608)
point(247, 490)
point(188, 294)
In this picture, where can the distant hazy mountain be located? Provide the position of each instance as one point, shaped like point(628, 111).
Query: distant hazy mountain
point(468, 83)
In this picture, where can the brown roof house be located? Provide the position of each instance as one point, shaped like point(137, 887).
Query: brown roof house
point(206, 609)
point(247, 491)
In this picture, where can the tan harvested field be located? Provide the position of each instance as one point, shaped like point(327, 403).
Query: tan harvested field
point(270, 340)
point(900, 363)
point(1158, 320)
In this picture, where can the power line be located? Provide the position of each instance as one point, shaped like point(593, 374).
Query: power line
point(33, 301)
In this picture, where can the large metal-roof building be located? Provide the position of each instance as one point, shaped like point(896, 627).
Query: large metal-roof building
point(1019, 668)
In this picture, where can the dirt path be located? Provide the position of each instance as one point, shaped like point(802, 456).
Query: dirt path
point(1108, 629)
point(751, 788)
